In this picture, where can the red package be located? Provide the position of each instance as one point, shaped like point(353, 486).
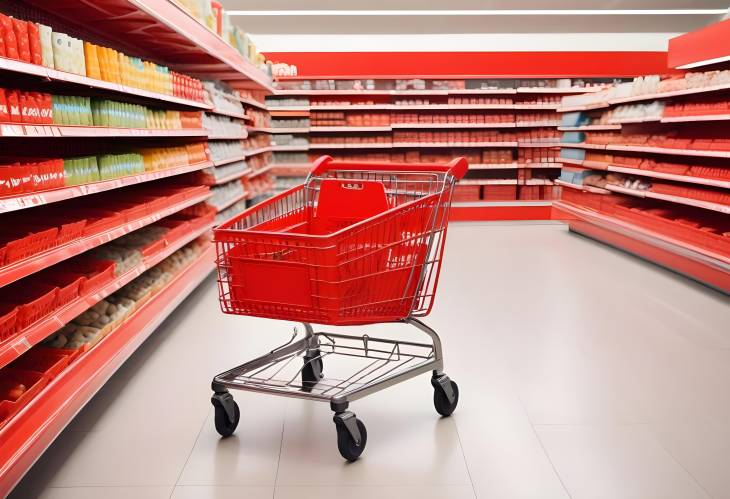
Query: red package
point(11, 45)
point(24, 108)
point(34, 37)
point(2, 40)
point(45, 104)
point(14, 105)
point(21, 36)
point(4, 112)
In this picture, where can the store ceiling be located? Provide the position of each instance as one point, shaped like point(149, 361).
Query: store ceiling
point(403, 23)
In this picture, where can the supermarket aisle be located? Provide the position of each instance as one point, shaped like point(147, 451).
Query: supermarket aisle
point(574, 384)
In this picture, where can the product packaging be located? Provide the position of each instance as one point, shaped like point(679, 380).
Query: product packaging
point(4, 111)
point(11, 45)
point(46, 40)
point(21, 37)
point(59, 51)
point(34, 37)
point(14, 106)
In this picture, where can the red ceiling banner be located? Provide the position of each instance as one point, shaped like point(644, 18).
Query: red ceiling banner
point(477, 64)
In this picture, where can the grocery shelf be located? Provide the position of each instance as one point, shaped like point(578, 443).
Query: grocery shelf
point(487, 181)
point(239, 136)
point(30, 432)
point(537, 181)
point(22, 201)
point(253, 102)
point(351, 107)
point(260, 171)
point(231, 201)
point(645, 97)
point(233, 176)
point(655, 174)
point(722, 208)
point(288, 130)
point(164, 28)
point(706, 117)
point(259, 150)
point(512, 166)
point(589, 128)
point(361, 145)
point(409, 107)
point(455, 144)
point(455, 91)
point(18, 270)
point(581, 145)
point(328, 129)
point(257, 129)
point(41, 131)
point(504, 124)
point(642, 119)
point(226, 161)
point(669, 150)
point(41, 329)
point(538, 144)
point(536, 124)
point(691, 261)
point(61, 76)
point(584, 188)
point(289, 148)
point(230, 114)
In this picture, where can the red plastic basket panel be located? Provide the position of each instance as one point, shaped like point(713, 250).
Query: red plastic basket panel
point(97, 273)
point(41, 302)
point(3, 249)
point(32, 244)
point(70, 353)
point(69, 285)
point(8, 321)
point(10, 378)
point(71, 231)
point(47, 361)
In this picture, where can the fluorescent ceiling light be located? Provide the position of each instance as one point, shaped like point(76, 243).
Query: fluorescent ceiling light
point(704, 62)
point(525, 12)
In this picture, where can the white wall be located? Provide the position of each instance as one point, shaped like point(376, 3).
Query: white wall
point(538, 42)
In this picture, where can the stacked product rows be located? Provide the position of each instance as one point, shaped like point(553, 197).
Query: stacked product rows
point(645, 168)
point(507, 129)
point(113, 170)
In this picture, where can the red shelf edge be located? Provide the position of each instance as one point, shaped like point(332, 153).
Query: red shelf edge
point(33, 429)
point(41, 329)
point(30, 200)
point(23, 268)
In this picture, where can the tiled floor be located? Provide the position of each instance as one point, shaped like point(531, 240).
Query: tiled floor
point(583, 373)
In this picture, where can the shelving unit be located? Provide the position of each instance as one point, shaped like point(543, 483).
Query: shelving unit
point(666, 203)
point(27, 435)
point(153, 30)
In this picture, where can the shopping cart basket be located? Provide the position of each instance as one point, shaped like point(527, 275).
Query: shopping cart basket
point(357, 243)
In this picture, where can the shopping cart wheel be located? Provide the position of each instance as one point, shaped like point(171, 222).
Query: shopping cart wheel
point(351, 435)
point(312, 370)
point(445, 394)
point(227, 413)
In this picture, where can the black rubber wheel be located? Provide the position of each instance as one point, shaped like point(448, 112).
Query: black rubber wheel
point(224, 426)
point(312, 371)
point(441, 401)
point(346, 444)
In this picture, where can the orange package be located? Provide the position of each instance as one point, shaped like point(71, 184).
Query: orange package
point(21, 37)
point(14, 106)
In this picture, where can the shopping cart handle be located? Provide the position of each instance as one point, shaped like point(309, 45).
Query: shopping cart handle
point(456, 168)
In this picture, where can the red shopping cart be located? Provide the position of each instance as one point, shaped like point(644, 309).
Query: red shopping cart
point(357, 243)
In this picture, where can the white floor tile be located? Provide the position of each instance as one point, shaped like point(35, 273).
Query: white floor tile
point(596, 462)
point(703, 449)
point(106, 493)
point(221, 492)
point(381, 492)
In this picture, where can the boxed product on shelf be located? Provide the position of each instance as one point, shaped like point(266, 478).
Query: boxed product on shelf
point(290, 123)
point(293, 140)
point(223, 126)
point(259, 118)
point(210, 176)
point(225, 149)
point(499, 192)
point(222, 98)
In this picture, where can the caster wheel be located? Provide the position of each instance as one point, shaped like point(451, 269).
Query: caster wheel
point(223, 424)
point(346, 444)
point(312, 371)
point(441, 401)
